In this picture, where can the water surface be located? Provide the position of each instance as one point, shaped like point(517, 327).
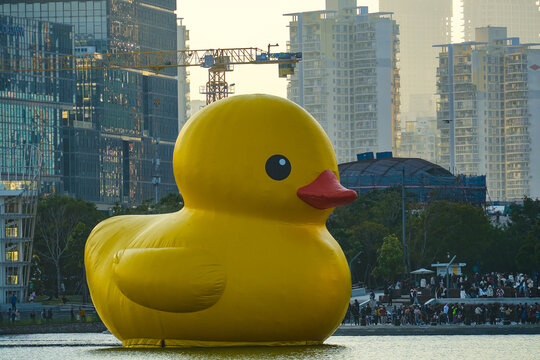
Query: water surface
point(106, 346)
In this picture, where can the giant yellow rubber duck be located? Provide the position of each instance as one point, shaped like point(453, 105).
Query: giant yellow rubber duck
point(248, 260)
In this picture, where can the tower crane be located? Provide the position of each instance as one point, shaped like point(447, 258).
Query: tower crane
point(217, 61)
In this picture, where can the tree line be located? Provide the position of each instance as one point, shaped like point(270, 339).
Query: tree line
point(435, 231)
point(369, 231)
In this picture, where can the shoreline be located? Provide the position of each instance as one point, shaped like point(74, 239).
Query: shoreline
point(411, 330)
point(344, 330)
point(54, 328)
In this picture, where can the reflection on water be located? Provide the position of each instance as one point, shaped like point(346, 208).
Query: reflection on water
point(282, 353)
point(105, 346)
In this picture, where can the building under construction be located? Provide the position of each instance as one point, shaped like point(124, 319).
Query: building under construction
point(423, 180)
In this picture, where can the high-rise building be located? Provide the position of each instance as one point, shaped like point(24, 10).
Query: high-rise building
point(520, 17)
point(422, 24)
point(183, 80)
point(33, 105)
point(348, 77)
point(419, 138)
point(119, 136)
point(488, 111)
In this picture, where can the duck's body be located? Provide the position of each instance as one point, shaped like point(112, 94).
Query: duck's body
point(238, 265)
point(273, 294)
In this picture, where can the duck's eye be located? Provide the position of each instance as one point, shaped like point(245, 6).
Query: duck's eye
point(278, 167)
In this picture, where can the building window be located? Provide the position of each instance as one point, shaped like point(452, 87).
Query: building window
point(12, 275)
point(12, 231)
point(12, 208)
point(12, 252)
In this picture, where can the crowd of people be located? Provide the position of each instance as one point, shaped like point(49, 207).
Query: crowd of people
point(476, 285)
point(453, 288)
point(437, 314)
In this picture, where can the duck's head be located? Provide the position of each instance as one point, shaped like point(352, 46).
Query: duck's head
point(259, 155)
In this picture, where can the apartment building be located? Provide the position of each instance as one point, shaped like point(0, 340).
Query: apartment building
point(487, 112)
point(348, 78)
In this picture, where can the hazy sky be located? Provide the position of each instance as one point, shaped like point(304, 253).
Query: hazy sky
point(244, 23)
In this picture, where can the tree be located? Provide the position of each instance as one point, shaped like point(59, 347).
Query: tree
point(459, 229)
point(523, 235)
point(169, 203)
point(389, 259)
point(528, 255)
point(359, 227)
point(62, 227)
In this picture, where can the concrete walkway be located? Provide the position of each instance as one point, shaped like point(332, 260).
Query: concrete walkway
point(408, 330)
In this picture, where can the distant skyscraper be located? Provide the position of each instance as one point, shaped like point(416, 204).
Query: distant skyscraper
point(348, 77)
point(520, 17)
point(109, 137)
point(419, 138)
point(488, 112)
point(183, 81)
point(422, 24)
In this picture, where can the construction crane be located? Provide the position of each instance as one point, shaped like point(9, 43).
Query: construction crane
point(217, 61)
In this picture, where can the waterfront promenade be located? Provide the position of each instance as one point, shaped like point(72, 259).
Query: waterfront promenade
point(410, 330)
point(344, 330)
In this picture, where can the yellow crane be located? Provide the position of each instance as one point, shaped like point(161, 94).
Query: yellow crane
point(217, 61)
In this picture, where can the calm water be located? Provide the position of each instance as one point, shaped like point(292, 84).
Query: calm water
point(103, 346)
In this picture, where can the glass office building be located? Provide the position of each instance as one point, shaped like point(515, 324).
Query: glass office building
point(32, 107)
point(34, 104)
point(110, 137)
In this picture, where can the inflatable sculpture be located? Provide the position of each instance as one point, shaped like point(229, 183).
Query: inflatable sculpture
point(248, 260)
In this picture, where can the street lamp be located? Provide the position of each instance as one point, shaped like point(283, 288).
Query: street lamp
point(448, 275)
point(350, 265)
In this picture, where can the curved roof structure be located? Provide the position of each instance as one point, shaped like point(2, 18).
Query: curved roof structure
point(428, 181)
point(395, 167)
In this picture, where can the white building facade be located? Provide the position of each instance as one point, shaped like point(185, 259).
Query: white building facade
point(488, 112)
point(348, 78)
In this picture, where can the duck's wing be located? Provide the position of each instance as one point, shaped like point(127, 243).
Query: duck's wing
point(170, 279)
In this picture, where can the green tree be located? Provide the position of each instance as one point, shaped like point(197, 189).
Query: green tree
point(522, 236)
point(359, 227)
point(62, 227)
point(528, 255)
point(456, 228)
point(369, 237)
point(169, 203)
point(389, 259)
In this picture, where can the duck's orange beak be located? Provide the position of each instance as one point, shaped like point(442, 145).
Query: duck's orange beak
point(326, 192)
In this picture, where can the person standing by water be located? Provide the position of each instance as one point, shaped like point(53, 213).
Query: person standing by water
point(82, 314)
point(356, 312)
